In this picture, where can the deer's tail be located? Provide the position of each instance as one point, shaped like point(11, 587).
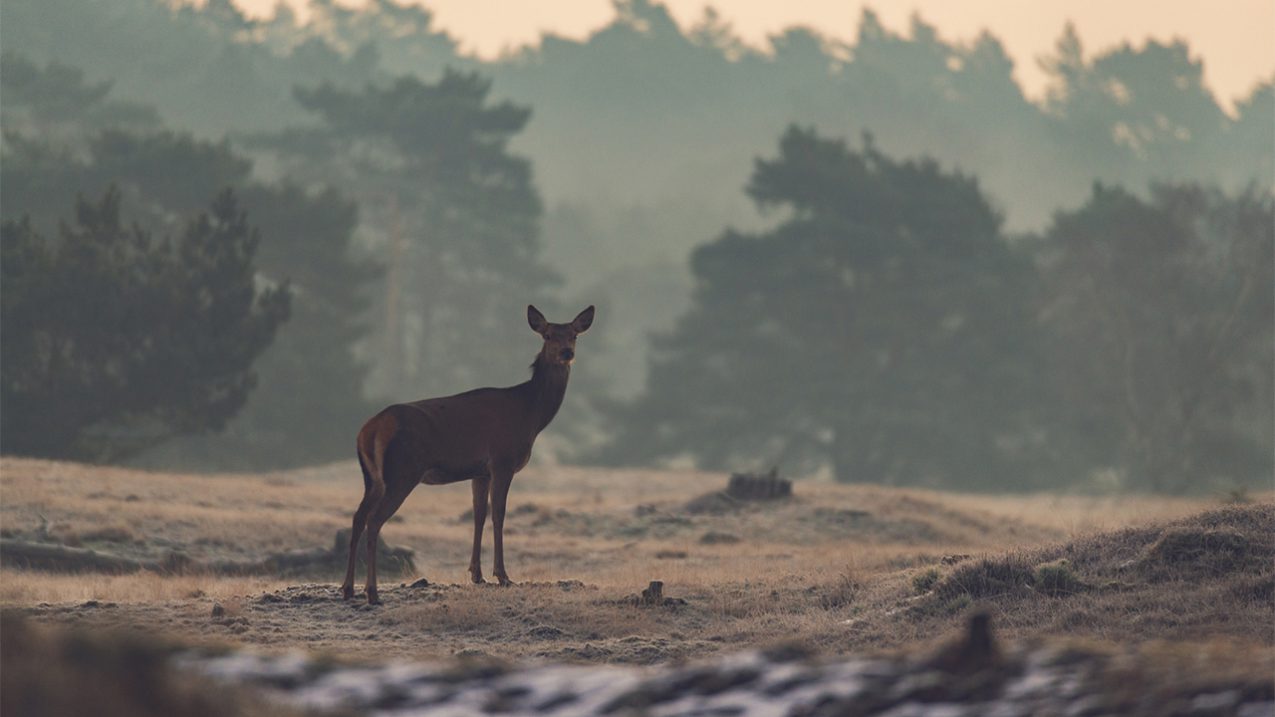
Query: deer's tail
point(371, 451)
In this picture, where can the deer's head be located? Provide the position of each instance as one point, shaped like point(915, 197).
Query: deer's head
point(560, 339)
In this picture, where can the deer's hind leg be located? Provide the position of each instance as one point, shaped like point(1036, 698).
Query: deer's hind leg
point(401, 476)
point(373, 489)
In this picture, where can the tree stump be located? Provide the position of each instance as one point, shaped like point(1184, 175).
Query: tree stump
point(754, 486)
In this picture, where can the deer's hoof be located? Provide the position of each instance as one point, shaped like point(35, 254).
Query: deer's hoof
point(504, 581)
point(373, 598)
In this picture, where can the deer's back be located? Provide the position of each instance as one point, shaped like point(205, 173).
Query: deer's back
point(456, 433)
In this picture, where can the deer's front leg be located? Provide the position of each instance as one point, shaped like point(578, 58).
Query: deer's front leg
point(499, 494)
point(481, 487)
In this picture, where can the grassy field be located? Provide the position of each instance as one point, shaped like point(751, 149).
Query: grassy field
point(840, 569)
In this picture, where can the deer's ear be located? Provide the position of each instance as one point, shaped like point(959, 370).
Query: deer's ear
point(582, 322)
point(536, 319)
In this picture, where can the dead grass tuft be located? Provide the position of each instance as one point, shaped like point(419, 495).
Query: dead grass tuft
point(1192, 550)
point(1057, 579)
point(988, 578)
point(925, 581)
point(841, 593)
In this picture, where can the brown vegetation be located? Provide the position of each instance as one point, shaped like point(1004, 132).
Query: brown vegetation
point(54, 673)
point(839, 569)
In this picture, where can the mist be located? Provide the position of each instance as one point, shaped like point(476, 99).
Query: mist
point(229, 241)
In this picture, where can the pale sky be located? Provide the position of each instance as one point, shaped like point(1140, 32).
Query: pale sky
point(1236, 38)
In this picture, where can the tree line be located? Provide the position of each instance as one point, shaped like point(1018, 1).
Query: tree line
point(889, 330)
point(872, 313)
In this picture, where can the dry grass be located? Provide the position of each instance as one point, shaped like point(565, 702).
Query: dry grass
point(23, 587)
point(840, 568)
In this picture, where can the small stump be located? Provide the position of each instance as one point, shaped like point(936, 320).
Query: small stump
point(743, 488)
point(755, 486)
point(653, 596)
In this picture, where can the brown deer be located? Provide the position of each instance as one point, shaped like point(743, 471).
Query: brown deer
point(484, 436)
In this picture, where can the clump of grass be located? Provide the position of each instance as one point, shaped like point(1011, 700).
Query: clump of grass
point(986, 578)
point(1191, 550)
point(842, 592)
point(924, 582)
point(1259, 589)
point(1058, 579)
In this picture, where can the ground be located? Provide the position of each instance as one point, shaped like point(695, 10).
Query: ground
point(838, 569)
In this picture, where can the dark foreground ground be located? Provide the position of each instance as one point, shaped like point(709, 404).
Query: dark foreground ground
point(973, 674)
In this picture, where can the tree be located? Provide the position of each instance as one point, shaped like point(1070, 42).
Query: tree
point(116, 341)
point(309, 401)
point(454, 214)
point(1162, 315)
point(882, 328)
point(1130, 114)
point(309, 396)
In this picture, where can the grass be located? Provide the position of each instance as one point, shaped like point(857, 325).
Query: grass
point(838, 568)
point(22, 587)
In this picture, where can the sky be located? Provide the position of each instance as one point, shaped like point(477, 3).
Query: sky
point(1235, 38)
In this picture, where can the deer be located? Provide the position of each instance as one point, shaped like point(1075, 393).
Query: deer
point(484, 436)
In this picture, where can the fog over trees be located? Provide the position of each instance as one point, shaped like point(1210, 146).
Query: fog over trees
point(876, 260)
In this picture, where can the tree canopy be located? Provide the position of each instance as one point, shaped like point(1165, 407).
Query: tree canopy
point(454, 214)
point(874, 330)
point(116, 340)
point(1160, 315)
point(158, 177)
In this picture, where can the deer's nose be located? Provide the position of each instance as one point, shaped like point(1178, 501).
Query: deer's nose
point(568, 354)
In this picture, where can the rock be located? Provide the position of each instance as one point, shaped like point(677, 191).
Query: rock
point(218, 610)
point(390, 560)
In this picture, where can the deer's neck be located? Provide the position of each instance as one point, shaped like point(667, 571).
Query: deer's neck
point(546, 389)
